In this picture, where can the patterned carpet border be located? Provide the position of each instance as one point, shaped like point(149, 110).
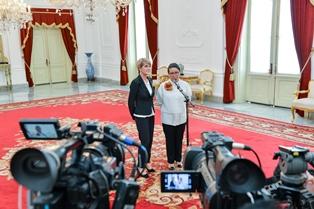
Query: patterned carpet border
point(289, 131)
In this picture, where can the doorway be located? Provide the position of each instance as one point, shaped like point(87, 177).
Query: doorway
point(273, 69)
point(50, 61)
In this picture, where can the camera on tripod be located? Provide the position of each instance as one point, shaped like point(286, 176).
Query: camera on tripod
point(290, 177)
point(79, 173)
point(226, 181)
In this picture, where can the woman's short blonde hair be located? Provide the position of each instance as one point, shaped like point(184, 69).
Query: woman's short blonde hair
point(141, 62)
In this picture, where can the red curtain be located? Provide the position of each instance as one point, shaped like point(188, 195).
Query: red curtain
point(234, 11)
point(49, 18)
point(122, 19)
point(151, 19)
point(71, 49)
point(26, 36)
point(302, 15)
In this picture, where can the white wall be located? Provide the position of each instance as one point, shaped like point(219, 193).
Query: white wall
point(192, 34)
point(12, 50)
point(101, 38)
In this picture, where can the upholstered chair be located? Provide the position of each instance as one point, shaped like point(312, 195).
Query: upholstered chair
point(162, 75)
point(204, 85)
point(304, 104)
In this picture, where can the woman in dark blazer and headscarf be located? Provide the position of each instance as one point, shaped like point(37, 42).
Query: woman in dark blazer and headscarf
point(141, 108)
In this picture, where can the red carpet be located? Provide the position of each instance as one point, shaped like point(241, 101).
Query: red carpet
point(110, 107)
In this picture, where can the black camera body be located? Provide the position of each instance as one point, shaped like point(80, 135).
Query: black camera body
point(224, 178)
point(78, 174)
point(226, 181)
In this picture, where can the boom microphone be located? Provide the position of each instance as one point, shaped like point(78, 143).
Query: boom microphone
point(115, 132)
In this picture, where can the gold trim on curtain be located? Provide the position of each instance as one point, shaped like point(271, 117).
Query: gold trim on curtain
point(223, 2)
point(59, 13)
point(123, 65)
point(60, 25)
point(312, 2)
point(231, 68)
point(27, 36)
point(53, 25)
point(1, 45)
point(155, 19)
point(155, 55)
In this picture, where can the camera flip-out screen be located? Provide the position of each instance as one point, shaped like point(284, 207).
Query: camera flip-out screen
point(40, 128)
point(179, 181)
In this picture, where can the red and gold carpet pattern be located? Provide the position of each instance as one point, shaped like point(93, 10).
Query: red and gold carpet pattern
point(111, 107)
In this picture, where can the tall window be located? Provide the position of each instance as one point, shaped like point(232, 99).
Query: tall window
point(140, 30)
point(137, 37)
point(287, 55)
point(260, 35)
point(271, 38)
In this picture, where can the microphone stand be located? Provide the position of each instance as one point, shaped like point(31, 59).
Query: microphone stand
point(187, 102)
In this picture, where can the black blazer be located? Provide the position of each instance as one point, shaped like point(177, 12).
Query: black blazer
point(140, 101)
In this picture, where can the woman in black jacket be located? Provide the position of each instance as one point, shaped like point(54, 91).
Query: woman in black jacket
point(141, 108)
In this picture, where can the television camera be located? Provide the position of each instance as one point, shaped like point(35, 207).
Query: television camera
point(226, 181)
point(79, 173)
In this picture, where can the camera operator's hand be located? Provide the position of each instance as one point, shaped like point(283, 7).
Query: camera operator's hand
point(309, 184)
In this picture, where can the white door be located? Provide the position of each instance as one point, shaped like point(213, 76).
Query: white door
point(273, 66)
point(40, 63)
point(276, 90)
point(50, 61)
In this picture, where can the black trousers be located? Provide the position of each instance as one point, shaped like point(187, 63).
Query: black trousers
point(145, 128)
point(174, 137)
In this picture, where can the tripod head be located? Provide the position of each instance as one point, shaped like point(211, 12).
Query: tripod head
point(293, 164)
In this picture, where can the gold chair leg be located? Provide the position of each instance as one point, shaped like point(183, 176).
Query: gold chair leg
point(196, 95)
point(201, 97)
point(293, 114)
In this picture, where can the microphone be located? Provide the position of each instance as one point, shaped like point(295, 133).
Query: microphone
point(118, 134)
point(240, 146)
point(187, 99)
point(177, 84)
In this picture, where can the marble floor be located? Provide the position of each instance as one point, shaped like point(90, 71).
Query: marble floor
point(23, 93)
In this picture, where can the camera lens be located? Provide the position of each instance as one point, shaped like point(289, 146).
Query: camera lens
point(241, 176)
point(35, 169)
point(238, 173)
point(35, 165)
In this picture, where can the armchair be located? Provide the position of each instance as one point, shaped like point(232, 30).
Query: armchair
point(204, 85)
point(304, 104)
point(162, 75)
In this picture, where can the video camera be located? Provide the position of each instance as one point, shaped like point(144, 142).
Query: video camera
point(79, 173)
point(226, 181)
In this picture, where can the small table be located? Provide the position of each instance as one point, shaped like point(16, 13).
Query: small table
point(7, 72)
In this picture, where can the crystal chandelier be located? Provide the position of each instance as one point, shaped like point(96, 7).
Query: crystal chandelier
point(91, 5)
point(14, 14)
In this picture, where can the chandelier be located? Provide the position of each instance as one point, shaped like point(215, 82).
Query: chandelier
point(14, 14)
point(91, 5)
